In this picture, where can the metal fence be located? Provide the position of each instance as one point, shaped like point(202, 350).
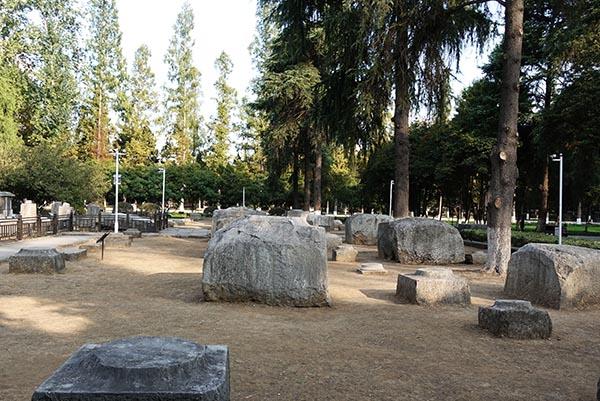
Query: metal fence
point(20, 228)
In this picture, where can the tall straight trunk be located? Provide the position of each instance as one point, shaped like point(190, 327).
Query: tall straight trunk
point(544, 191)
point(307, 174)
point(401, 114)
point(295, 178)
point(317, 177)
point(544, 186)
point(504, 154)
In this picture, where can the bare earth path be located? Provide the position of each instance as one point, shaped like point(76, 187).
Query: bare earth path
point(365, 347)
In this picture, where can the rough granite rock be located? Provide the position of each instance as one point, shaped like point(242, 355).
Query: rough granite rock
point(223, 217)
point(338, 225)
point(71, 254)
point(117, 240)
point(303, 214)
point(133, 233)
point(361, 229)
point(141, 369)
point(333, 241)
point(321, 220)
point(345, 253)
point(429, 286)
point(36, 260)
point(555, 276)
point(515, 319)
point(418, 240)
point(267, 259)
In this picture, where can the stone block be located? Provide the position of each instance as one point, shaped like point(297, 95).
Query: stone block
point(71, 254)
point(298, 213)
point(362, 228)
point(223, 217)
point(338, 225)
point(141, 369)
point(371, 268)
point(345, 253)
point(479, 257)
point(117, 240)
point(555, 276)
point(267, 259)
point(91, 209)
point(36, 260)
point(61, 208)
point(133, 233)
point(320, 220)
point(28, 209)
point(515, 319)
point(333, 241)
point(418, 240)
point(429, 286)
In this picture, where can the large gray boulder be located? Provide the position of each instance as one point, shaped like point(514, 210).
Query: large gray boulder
point(267, 259)
point(36, 260)
point(223, 217)
point(321, 220)
point(141, 369)
point(361, 229)
point(515, 319)
point(556, 276)
point(419, 240)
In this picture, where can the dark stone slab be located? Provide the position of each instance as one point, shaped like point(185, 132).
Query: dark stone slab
point(36, 260)
point(141, 369)
point(515, 319)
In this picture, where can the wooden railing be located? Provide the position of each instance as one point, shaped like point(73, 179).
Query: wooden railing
point(21, 228)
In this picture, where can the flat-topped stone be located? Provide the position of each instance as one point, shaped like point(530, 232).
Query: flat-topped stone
point(515, 319)
point(321, 220)
point(117, 240)
point(555, 276)
point(71, 254)
point(345, 253)
point(361, 228)
point(267, 259)
point(36, 260)
point(297, 213)
point(221, 218)
point(371, 268)
point(141, 369)
point(133, 233)
point(429, 286)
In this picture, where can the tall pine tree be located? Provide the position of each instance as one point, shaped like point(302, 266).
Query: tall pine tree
point(183, 119)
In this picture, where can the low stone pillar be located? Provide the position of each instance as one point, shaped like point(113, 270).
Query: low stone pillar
point(515, 319)
point(429, 286)
point(345, 253)
point(36, 260)
point(141, 369)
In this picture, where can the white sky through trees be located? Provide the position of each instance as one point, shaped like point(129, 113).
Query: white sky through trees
point(220, 25)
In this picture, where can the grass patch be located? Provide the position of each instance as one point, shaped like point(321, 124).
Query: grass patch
point(520, 238)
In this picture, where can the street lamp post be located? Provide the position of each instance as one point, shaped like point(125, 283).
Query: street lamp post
point(117, 153)
point(163, 171)
point(559, 158)
point(391, 194)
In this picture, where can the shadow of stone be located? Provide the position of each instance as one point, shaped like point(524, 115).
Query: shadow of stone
point(382, 295)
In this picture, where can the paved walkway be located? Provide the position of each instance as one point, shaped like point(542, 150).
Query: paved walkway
point(9, 248)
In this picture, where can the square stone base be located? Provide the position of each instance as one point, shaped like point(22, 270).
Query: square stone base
point(515, 319)
point(431, 286)
point(36, 260)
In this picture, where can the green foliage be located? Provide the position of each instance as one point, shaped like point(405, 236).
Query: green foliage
point(520, 238)
point(183, 119)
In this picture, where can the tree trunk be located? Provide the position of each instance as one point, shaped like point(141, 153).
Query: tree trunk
point(295, 178)
point(317, 177)
point(401, 115)
point(504, 153)
point(307, 175)
point(544, 191)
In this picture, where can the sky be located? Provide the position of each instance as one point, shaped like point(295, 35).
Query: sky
point(220, 25)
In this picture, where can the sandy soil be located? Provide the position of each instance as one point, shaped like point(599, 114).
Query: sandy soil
point(365, 347)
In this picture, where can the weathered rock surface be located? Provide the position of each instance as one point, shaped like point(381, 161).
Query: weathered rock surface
point(36, 260)
point(133, 233)
point(223, 217)
point(419, 240)
point(479, 257)
point(117, 240)
point(430, 286)
point(371, 268)
point(71, 254)
point(556, 276)
point(362, 228)
point(338, 225)
point(345, 253)
point(141, 369)
point(320, 220)
point(267, 259)
point(515, 319)
point(299, 213)
point(333, 241)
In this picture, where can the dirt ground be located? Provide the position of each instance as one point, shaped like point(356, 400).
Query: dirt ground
point(364, 347)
